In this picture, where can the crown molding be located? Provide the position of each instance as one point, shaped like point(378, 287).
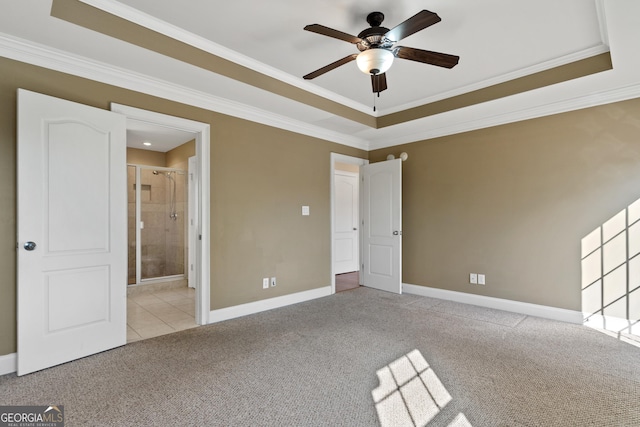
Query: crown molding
point(590, 100)
point(43, 56)
point(523, 72)
point(135, 16)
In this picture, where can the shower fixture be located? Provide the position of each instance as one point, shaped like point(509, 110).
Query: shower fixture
point(173, 213)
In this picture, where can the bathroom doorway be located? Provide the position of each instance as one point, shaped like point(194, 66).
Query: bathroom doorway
point(163, 143)
point(159, 299)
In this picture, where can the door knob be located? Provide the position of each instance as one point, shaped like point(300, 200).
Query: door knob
point(30, 246)
point(395, 233)
point(355, 229)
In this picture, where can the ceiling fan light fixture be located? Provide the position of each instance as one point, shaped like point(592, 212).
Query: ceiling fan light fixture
point(374, 60)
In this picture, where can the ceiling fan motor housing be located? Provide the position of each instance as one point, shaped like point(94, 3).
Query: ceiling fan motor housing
point(375, 55)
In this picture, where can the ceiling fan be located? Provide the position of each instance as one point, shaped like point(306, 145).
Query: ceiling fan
point(377, 50)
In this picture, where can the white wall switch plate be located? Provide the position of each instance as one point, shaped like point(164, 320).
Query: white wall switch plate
point(273, 282)
point(265, 283)
point(481, 279)
point(473, 278)
point(305, 210)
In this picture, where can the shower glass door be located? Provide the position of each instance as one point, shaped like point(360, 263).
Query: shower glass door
point(161, 234)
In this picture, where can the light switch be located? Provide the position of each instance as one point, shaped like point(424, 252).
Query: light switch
point(305, 210)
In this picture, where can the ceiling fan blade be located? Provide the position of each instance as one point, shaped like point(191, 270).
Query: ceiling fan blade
point(330, 32)
point(379, 82)
point(417, 22)
point(330, 67)
point(428, 57)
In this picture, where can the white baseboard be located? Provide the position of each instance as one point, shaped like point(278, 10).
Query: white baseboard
point(267, 304)
point(8, 363)
point(547, 312)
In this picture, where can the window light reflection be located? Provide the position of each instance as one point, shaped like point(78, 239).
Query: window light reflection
point(411, 394)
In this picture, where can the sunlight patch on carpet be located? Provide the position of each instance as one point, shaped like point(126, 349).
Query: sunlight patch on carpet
point(411, 394)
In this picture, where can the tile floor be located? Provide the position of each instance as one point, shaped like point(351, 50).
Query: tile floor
point(156, 313)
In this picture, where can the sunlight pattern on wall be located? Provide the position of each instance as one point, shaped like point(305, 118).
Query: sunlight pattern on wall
point(410, 394)
point(611, 275)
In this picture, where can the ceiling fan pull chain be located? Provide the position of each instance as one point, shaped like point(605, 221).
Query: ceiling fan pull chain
point(374, 101)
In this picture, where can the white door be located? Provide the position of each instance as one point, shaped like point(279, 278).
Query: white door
point(382, 225)
point(346, 222)
point(72, 231)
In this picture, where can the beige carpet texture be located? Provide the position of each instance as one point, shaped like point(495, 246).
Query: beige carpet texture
point(356, 358)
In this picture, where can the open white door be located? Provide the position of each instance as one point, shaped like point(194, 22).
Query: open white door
point(346, 217)
point(382, 225)
point(72, 231)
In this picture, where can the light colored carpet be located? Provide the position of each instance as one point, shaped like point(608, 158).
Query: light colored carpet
point(427, 362)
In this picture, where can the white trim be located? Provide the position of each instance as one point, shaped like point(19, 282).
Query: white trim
point(54, 59)
point(544, 311)
point(503, 78)
point(140, 18)
point(151, 22)
point(236, 311)
point(8, 363)
point(43, 56)
point(591, 100)
point(342, 158)
point(203, 142)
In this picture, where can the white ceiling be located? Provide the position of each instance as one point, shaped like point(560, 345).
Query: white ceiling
point(159, 138)
point(497, 40)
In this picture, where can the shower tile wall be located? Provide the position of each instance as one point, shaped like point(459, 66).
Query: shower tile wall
point(175, 237)
point(162, 238)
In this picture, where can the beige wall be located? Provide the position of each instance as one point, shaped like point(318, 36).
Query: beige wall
point(514, 202)
point(256, 194)
point(178, 158)
point(137, 156)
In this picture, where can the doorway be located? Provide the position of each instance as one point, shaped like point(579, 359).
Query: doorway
point(198, 187)
point(345, 214)
point(159, 300)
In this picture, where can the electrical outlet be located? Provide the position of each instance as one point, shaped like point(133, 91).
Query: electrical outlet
point(481, 279)
point(273, 282)
point(265, 283)
point(473, 278)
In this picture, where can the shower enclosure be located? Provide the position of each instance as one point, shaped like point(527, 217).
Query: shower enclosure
point(157, 224)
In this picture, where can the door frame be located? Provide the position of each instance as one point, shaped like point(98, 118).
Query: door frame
point(203, 155)
point(342, 158)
